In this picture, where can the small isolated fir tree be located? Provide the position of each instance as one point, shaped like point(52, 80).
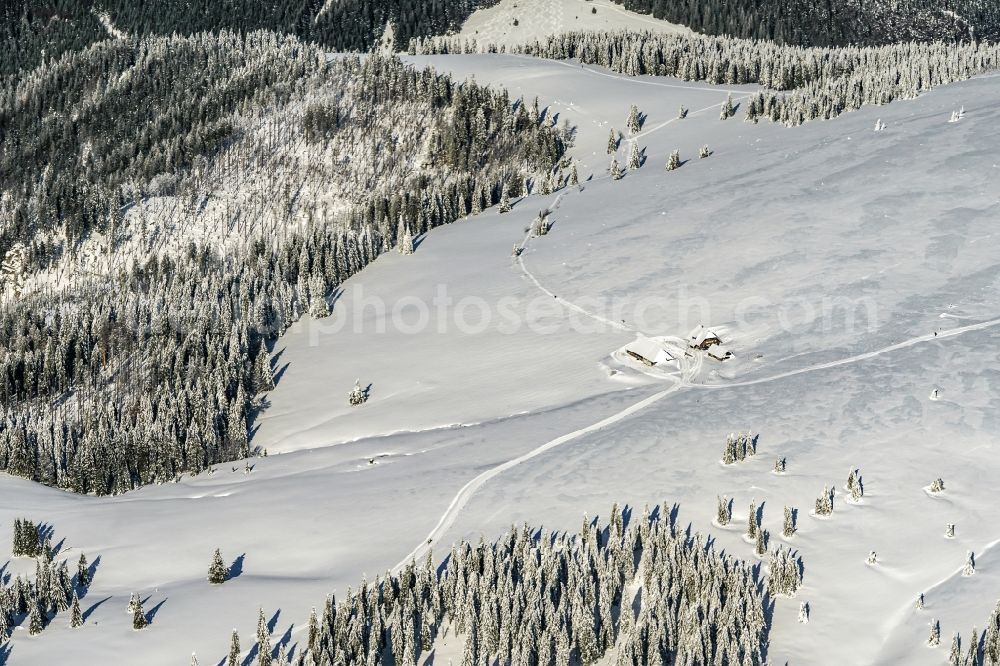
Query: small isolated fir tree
point(632, 124)
point(949, 531)
point(234, 650)
point(804, 612)
point(727, 109)
point(139, 620)
point(752, 528)
point(761, 546)
point(76, 615)
point(218, 572)
point(704, 152)
point(194, 659)
point(133, 601)
point(674, 162)
point(357, 395)
point(937, 486)
point(574, 176)
point(934, 639)
point(615, 170)
point(824, 503)
point(683, 112)
point(723, 513)
point(920, 602)
point(955, 654)
point(872, 558)
point(970, 564)
point(613, 142)
point(505, 206)
point(635, 157)
point(788, 531)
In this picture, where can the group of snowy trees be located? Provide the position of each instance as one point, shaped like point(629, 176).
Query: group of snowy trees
point(818, 82)
point(33, 30)
point(636, 588)
point(739, 447)
point(983, 649)
point(54, 590)
point(150, 368)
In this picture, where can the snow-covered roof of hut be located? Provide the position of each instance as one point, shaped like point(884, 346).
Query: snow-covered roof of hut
point(700, 335)
point(651, 351)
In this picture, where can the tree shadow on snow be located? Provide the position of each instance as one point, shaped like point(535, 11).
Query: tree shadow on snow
point(236, 568)
point(418, 241)
point(151, 613)
point(272, 624)
point(280, 373)
point(5, 651)
point(90, 611)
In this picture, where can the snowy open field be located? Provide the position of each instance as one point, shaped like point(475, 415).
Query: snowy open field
point(851, 272)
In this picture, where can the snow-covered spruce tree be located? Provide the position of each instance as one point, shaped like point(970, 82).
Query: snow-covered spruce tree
point(760, 545)
point(934, 639)
point(779, 466)
point(263, 375)
point(752, 526)
point(872, 558)
point(949, 531)
point(133, 603)
point(727, 109)
point(574, 176)
point(218, 572)
point(804, 612)
point(784, 572)
point(723, 511)
point(263, 641)
point(613, 141)
point(614, 169)
point(540, 226)
point(674, 162)
point(937, 486)
point(194, 659)
point(234, 650)
point(505, 206)
point(955, 653)
point(358, 395)
point(682, 113)
point(139, 620)
point(991, 639)
point(970, 564)
point(632, 124)
point(36, 617)
point(82, 571)
point(404, 239)
point(919, 605)
point(635, 157)
point(76, 615)
point(824, 503)
point(788, 529)
point(704, 152)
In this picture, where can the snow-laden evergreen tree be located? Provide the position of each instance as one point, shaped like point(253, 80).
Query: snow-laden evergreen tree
point(635, 157)
point(934, 639)
point(674, 162)
point(727, 109)
point(218, 572)
point(937, 486)
point(505, 206)
point(194, 659)
point(263, 375)
point(955, 653)
point(613, 142)
point(919, 605)
point(949, 531)
point(704, 152)
point(574, 177)
point(36, 618)
point(824, 503)
point(804, 612)
point(357, 396)
point(76, 615)
point(683, 113)
point(779, 466)
point(615, 170)
point(788, 529)
point(313, 634)
point(234, 650)
point(752, 527)
point(760, 545)
point(139, 620)
point(723, 512)
point(404, 243)
point(133, 603)
point(632, 124)
point(784, 573)
point(970, 564)
point(82, 571)
point(972, 656)
point(263, 641)
point(872, 559)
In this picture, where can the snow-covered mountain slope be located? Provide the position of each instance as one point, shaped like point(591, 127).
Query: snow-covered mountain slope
point(513, 22)
point(516, 423)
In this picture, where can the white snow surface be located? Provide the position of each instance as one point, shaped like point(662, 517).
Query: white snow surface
point(537, 19)
point(468, 432)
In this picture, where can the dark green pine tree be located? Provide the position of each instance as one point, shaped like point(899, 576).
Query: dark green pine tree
point(82, 571)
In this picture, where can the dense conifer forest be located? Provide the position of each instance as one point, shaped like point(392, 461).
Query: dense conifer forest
point(242, 178)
